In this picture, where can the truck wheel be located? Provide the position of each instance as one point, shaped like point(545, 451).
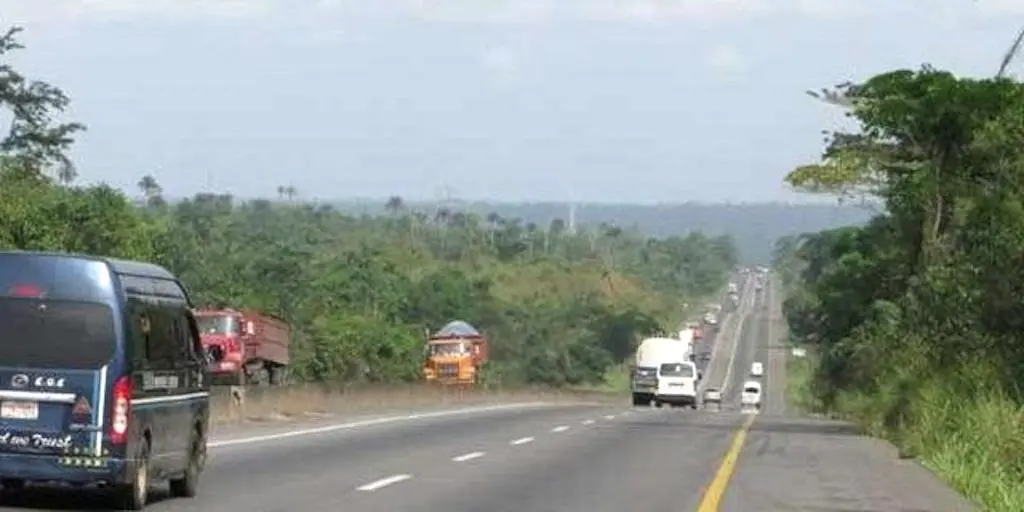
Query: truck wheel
point(278, 375)
point(658, 404)
point(640, 400)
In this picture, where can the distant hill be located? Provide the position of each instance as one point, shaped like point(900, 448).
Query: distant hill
point(754, 226)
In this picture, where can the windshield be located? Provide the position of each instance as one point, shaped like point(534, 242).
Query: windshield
point(752, 390)
point(56, 334)
point(218, 324)
point(447, 349)
point(676, 370)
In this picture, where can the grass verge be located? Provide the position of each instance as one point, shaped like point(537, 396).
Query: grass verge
point(970, 438)
point(972, 441)
point(799, 380)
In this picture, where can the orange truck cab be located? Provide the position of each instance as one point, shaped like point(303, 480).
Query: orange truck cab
point(455, 354)
point(244, 347)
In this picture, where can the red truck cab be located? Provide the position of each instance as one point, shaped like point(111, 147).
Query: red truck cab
point(245, 347)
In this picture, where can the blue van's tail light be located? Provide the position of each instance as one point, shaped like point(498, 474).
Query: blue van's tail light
point(121, 411)
point(25, 290)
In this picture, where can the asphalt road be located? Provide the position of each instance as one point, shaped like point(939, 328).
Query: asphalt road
point(562, 458)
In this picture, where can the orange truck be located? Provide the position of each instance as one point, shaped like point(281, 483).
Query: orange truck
point(245, 347)
point(455, 354)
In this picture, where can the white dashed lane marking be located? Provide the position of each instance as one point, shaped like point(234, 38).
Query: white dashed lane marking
point(610, 417)
point(522, 440)
point(560, 428)
point(587, 422)
point(468, 456)
point(383, 482)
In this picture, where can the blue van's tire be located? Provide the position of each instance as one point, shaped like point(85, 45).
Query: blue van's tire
point(11, 489)
point(135, 494)
point(188, 484)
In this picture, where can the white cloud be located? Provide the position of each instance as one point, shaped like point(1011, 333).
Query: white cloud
point(501, 64)
point(665, 10)
point(1001, 6)
point(477, 11)
point(726, 59)
point(21, 11)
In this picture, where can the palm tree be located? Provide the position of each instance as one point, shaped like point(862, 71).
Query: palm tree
point(149, 187)
point(394, 205)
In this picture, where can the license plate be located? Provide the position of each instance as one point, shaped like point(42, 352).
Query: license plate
point(19, 410)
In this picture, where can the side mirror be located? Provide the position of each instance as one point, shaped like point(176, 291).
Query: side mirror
point(700, 375)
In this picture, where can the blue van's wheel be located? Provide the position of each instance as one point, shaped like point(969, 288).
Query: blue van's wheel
point(11, 489)
point(135, 494)
point(188, 484)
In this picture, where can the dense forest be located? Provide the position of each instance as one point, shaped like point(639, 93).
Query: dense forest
point(916, 318)
point(361, 291)
point(754, 226)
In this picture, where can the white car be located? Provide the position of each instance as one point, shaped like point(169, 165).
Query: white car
point(757, 369)
point(712, 395)
point(751, 396)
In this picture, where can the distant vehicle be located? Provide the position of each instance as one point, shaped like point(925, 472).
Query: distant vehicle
point(710, 318)
point(106, 383)
point(663, 373)
point(712, 396)
point(751, 396)
point(757, 369)
point(455, 354)
point(246, 347)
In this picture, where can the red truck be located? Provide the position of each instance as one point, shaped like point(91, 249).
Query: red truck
point(245, 347)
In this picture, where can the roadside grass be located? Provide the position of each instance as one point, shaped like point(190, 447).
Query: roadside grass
point(970, 436)
point(616, 382)
point(799, 384)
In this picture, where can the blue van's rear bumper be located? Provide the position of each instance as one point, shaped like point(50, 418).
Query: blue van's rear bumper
point(54, 468)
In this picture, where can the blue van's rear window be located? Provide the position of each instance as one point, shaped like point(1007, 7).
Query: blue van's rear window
point(55, 277)
point(55, 312)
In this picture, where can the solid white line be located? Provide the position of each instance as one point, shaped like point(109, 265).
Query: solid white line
point(522, 440)
point(610, 417)
point(368, 423)
point(468, 456)
point(587, 422)
point(560, 428)
point(383, 482)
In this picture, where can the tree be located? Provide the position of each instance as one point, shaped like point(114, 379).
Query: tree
point(34, 140)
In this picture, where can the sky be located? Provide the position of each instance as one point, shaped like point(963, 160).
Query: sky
point(642, 101)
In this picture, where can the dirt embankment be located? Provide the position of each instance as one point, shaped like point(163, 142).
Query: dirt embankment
point(297, 403)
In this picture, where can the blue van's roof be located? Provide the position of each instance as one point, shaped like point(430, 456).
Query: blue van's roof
point(119, 266)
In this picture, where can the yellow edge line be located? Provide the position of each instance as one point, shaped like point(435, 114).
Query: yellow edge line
point(713, 496)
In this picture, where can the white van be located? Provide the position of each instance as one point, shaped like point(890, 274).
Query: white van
point(664, 374)
point(757, 369)
point(751, 396)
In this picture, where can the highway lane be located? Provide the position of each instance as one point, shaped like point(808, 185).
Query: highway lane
point(532, 457)
point(794, 463)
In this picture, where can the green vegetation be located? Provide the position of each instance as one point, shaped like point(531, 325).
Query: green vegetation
point(917, 316)
point(753, 226)
point(560, 307)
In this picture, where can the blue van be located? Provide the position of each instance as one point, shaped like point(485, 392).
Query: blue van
point(103, 379)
